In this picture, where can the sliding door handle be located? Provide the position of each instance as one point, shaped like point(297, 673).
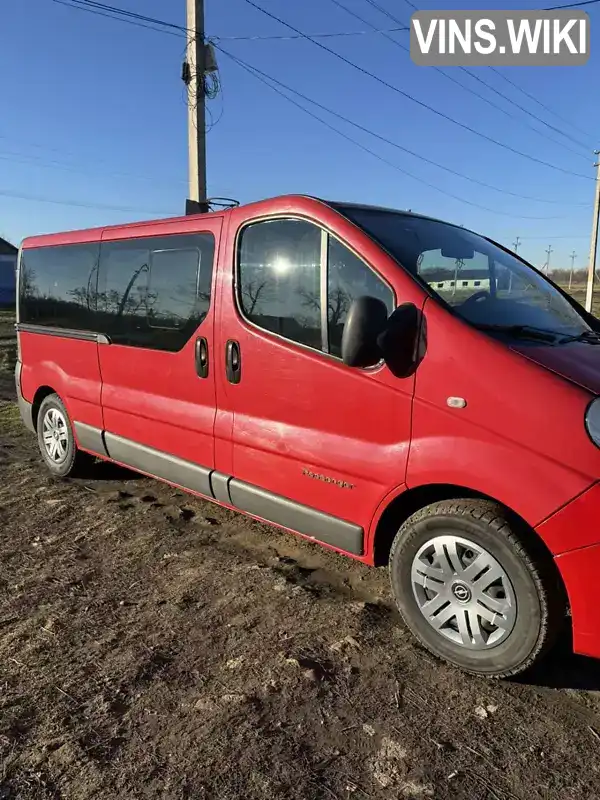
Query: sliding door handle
point(233, 361)
point(202, 357)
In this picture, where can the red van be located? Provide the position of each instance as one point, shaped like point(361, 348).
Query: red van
point(397, 388)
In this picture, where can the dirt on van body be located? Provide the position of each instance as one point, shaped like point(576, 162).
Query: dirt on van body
point(156, 646)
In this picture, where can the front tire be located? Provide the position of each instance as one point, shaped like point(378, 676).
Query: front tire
point(57, 441)
point(471, 590)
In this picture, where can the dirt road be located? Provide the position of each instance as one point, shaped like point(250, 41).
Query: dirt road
point(155, 646)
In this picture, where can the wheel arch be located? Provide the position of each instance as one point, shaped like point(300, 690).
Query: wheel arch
point(41, 394)
point(406, 503)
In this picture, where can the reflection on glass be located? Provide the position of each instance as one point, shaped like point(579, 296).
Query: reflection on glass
point(279, 265)
point(57, 286)
point(484, 284)
point(172, 287)
point(348, 279)
point(151, 292)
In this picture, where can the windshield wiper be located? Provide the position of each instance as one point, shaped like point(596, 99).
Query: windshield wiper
point(591, 337)
point(522, 331)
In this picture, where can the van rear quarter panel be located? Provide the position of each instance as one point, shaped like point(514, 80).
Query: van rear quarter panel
point(521, 437)
point(68, 366)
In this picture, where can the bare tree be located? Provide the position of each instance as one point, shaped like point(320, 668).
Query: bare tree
point(338, 303)
point(251, 293)
point(125, 298)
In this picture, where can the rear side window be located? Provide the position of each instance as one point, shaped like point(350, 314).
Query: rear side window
point(154, 292)
point(298, 281)
point(173, 287)
point(57, 286)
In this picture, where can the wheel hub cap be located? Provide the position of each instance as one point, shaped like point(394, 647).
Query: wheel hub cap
point(55, 433)
point(463, 592)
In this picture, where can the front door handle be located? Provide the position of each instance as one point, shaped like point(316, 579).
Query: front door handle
point(202, 357)
point(233, 361)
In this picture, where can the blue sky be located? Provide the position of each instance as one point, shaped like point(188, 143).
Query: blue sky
point(93, 112)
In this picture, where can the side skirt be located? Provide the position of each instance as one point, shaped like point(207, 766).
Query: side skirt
point(226, 490)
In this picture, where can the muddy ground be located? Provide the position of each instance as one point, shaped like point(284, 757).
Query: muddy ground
point(155, 646)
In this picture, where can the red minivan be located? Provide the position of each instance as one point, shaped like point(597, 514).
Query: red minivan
point(397, 388)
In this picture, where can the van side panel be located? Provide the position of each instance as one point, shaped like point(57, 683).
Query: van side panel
point(508, 441)
point(156, 303)
point(306, 427)
point(69, 367)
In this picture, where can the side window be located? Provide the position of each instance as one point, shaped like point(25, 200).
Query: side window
point(348, 278)
point(280, 267)
point(279, 279)
point(123, 290)
point(154, 292)
point(172, 288)
point(57, 286)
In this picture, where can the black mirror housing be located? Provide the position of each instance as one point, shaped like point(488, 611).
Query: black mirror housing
point(403, 342)
point(366, 321)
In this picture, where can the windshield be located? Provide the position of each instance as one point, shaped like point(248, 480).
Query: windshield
point(482, 283)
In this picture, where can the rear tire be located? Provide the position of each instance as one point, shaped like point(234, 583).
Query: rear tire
point(473, 591)
point(57, 441)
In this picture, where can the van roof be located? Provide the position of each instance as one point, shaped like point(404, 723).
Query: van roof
point(278, 203)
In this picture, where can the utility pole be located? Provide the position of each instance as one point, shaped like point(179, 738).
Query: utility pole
point(589, 295)
point(573, 257)
point(548, 252)
point(194, 76)
point(516, 245)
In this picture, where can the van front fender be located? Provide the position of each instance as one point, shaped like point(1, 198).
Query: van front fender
point(531, 485)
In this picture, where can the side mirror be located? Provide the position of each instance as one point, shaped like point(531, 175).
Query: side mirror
point(403, 341)
point(366, 321)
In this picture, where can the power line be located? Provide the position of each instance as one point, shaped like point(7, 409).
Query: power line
point(33, 160)
point(387, 13)
point(449, 77)
point(314, 35)
point(551, 8)
point(539, 102)
point(530, 113)
point(373, 153)
point(276, 37)
point(300, 34)
point(573, 5)
point(402, 27)
point(476, 77)
point(126, 13)
point(273, 83)
point(98, 13)
point(410, 97)
point(123, 15)
point(78, 204)
point(392, 143)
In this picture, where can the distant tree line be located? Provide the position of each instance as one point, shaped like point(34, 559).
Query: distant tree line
point(563, 275)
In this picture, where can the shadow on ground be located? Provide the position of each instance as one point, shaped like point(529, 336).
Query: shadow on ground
point(562, 669)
